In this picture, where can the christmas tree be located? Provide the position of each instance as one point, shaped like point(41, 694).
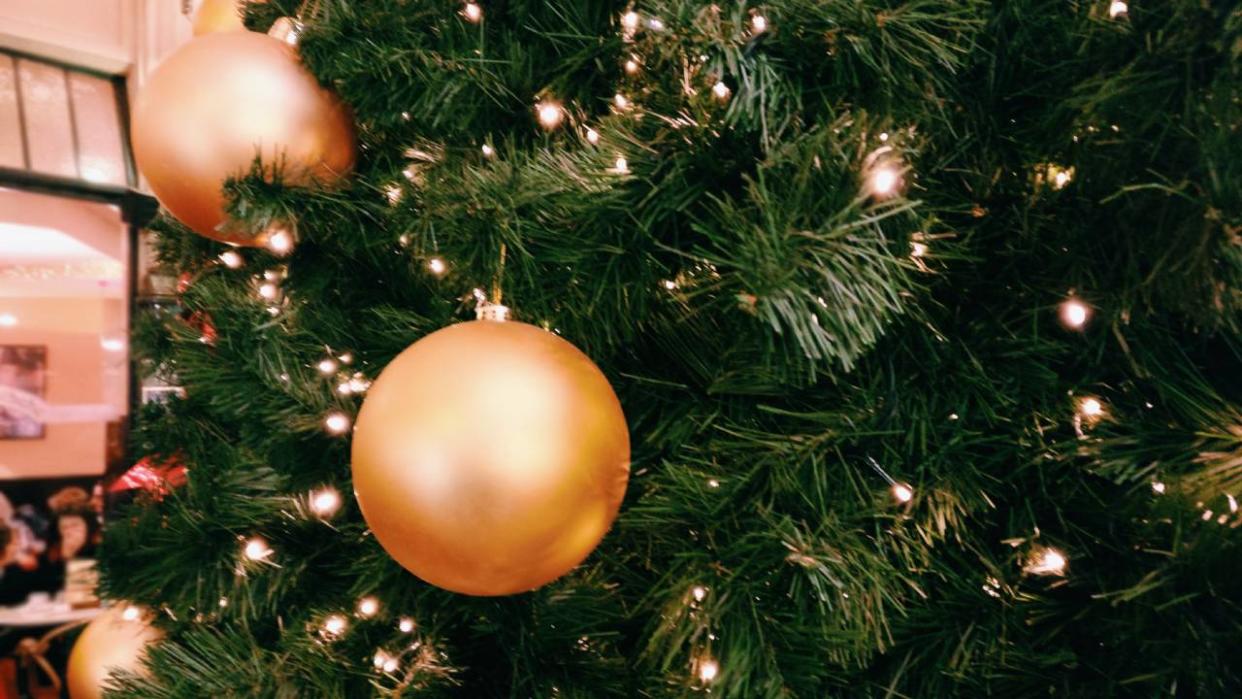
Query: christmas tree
point(924, 317)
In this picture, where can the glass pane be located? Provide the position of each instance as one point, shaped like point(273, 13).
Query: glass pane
point(48, 130)
point(99, 130)
point(10, 123)
point(64, 370)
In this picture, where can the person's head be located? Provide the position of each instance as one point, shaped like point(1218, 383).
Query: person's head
point(75, 533)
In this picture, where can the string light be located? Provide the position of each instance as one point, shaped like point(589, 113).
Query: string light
point(713, 483)
point(621, 166)
point(269, 291)
point(902, 492)
point(336, 423)
point(334, 626)
point(1049, 561)
point(632, 66)
point(1074, 313)
point(1233, 503)
point(655, 24)
point(472, 12)
point(280, 241)
point(223, 603)
point(918, 249)
point(325, 502)
point(131, 613)
point(1157, 487)
point(368, 607)
point(883, 181)
point(256, 549)
point(621, 101)
point(488, 151)
point(630, 20)
point(346, 357)
point(1090, 408)
point(405, 624)
point(232, 259)
point(327, 366)
point(708, 669)
point(437, 266)
point(1117, 8)
point(550, 114)
point(699, 593)
point(721, 91)
point(394, 193)
point(592, 136)
point(758, 24)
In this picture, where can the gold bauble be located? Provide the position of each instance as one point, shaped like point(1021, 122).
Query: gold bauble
point(218, 16)
point(219, 101)
point(490, 457)
point(115, 640)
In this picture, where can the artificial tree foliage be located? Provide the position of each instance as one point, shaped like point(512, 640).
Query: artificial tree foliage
point(784, 340)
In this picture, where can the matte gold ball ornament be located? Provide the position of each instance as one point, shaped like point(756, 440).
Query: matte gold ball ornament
point(114, 640)
point(219, 101)
point(490, 457)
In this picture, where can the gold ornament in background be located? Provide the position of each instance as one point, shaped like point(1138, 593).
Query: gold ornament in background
point(490, 457)
point(219, 101)
point(115, 640)
point(219, 16)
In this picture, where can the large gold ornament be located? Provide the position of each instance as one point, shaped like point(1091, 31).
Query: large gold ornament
point(218, 16)
point(219, 101)
point(115, 640)
point(490, 457)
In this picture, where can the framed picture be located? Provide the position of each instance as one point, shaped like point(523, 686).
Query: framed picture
point(23, 377)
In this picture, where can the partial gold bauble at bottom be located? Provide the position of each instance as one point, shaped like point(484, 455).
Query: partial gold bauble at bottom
point(115, 640)
point(218, 16)
point(490, 457)
point(218, 102)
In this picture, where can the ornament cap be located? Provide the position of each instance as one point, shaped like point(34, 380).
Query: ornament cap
point(287, 30)
point(491, 311)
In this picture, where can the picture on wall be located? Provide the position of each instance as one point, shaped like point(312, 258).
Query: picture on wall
point(23, 372)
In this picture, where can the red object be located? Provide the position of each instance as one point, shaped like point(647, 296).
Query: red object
point(155, 477)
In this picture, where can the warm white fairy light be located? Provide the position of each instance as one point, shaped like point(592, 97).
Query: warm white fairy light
point(256, 549)
point(713, 483)
point(325, 502)
point(1207, 515)
point(381, 657)
point(336, 423)
point(437, 266)
point(721, 91)
point(368, 607)
point(391, 665)
point(621, 101)
point(550, 114)
point(1049, 561)
point(1233, 503)
point(327, 367)
point(405, 625)
point(1090, 408)
point(346, 357)
point(592, 136)
point(280, 241)
point(335, 625)
point(632, 66)
point(883, 137)
point(269, 291)
point(393, 192)
point(758, 23)
point(224, 602)
point(918, 249)
point(1157, 487)
point(472, 12)
point(131, 613)
point(883, 181)
point(358, 383)
point(1074, 313)
point(1117, 8)
point(488, 151)
point(630, 20)
point(621, 166)
point(708, 669)
point(231, 259)
point(902, 492)
point(655, 24)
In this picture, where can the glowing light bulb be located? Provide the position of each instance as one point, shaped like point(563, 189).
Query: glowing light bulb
point(269, 291)
point(7, 320)
point(1090, 407)
point(256, 549)
point(713, 483)
point(883, 181)
point(1117, 8)
point(1157, 487)
point(472, 12)
point(759, 24)
point(327, 366)
point(335, 625)
point(325, 502)
point(592, 136)
point(488, 151)
point(391, 665)
point(380, 658)
point(621, 166)
point(918, 249)
point(224, 602)
point(131, 613)
point(368, 607)
point(336, 423)
point(699, 593)
point(405, 624)
point(346, 358)
point(394, 193)
point(550, 114)
point(721, 91)
point(655, 24)
point(1074, 313)
point(632, 66)
point(670, 284)
point(1048, 562)
point(437, 266)
point(708, 669)
point(902, 492)
point(280, 242)
point(621, 101)
point(359, 384)
point(630, 21)
point(232, 259)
